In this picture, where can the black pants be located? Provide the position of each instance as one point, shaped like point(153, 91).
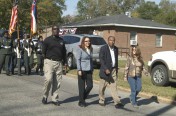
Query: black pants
point(28, 62)
point(5, 58)
point(19, 65)
point(12, 63)
point(85, 84)
point(40, 62)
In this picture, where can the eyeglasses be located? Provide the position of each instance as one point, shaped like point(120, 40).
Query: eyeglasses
point(87, 41)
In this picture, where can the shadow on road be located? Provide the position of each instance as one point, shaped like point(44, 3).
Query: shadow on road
point(148, 101)
point(163, 110)
point(76, 98)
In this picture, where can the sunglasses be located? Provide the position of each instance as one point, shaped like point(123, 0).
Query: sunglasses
point(55, 28)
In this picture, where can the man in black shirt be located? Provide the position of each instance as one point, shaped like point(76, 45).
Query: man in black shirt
point(54, 53)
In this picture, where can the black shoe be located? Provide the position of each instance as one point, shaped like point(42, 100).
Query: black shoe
point(28, 73)
point(82, 104)
point(101, 104)
point(56, 103)
point(41, 73)
point(44, 100)
point(36, 70)
point(12, 73)
point(119, 105)
point(8, 74)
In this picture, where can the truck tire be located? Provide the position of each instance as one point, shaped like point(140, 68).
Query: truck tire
point(159, 75)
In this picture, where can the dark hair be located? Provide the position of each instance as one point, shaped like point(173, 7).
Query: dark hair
point(55, 26)
point(40, 37)
point(111, 37)
point(83, 45)
point(5, 32)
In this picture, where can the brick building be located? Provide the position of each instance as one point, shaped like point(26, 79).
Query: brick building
point(151, 36)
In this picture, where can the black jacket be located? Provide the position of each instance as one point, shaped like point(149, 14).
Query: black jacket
point(106, 61)
point(6, 42)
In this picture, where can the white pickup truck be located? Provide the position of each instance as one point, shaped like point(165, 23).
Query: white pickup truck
point(162, 67)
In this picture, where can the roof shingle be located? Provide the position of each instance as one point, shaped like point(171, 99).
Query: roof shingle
point(120, 20)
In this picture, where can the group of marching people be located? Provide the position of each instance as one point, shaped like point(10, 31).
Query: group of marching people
point(15, 51)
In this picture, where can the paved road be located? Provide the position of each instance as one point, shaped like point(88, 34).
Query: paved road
point(21, 96)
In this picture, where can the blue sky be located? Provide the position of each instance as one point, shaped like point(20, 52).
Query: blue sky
point(71, 6)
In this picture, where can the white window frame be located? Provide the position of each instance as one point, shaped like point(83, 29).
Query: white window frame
point(160, 40)
point(136, 36)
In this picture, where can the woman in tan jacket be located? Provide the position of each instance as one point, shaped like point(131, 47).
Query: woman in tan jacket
point(133, 73)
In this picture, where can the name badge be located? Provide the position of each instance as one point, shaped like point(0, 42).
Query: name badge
point(61, 43)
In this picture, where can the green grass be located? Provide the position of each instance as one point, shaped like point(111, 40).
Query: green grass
point(147, 86)
point(121, 63)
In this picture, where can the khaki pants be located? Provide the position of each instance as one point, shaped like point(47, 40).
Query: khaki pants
point(112, 83)
point(53, 76)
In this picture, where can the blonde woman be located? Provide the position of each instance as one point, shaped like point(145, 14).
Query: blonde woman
point(133, 73)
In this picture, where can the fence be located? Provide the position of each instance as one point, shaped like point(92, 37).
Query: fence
point(124, 52)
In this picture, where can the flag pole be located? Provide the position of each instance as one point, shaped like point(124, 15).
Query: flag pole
point(18, 30)
point(30, 35)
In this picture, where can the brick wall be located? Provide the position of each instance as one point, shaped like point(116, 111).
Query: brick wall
point(145, 37)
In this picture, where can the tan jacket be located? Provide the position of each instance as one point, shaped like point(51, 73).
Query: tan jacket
point(134, 67)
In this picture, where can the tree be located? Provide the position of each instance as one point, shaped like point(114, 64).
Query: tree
point(95, 8)
point(49, 12)
point(67, 19)
point(127, 5)
point(85, 8)
point(5, 13)
point(167, 14)
point(148, 10)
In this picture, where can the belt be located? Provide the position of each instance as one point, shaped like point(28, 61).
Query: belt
point(7, 46)
point(113, 67)
point(39, 50)
point(54, 59)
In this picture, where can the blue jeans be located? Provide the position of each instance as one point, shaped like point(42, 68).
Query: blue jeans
point(135, 86)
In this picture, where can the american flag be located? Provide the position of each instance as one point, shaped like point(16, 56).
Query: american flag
point(13, 20)
point(34, 17)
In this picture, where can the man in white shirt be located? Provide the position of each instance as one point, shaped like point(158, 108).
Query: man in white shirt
point(108, 72)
